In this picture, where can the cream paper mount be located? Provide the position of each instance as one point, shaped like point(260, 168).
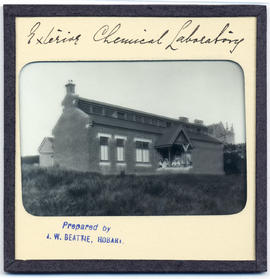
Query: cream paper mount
point(95, 150)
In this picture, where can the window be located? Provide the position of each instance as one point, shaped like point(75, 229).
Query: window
point(161, 123)
point(120, 149)
point(147, 120)
point(154, 121)
point(104, 149)
point(130, 116)
point(142, 152)
point(109, 112)
point(97, 110)
point(121, 115)
point(85, 107)
point(138, 118)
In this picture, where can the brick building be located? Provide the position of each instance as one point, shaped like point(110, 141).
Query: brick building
point(99, 137)
point(223, 134)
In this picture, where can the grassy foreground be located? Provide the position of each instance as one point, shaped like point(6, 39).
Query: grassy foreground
point(56, 192)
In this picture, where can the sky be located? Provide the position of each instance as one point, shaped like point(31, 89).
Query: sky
point(212, 91)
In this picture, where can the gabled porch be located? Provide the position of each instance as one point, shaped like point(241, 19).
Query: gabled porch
point(175, 149)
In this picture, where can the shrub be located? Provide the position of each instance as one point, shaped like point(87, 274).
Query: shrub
point(235, 158)
point(77, 190)
point(58, 192)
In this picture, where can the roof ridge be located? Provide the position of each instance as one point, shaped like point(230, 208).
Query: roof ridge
point(140, 112)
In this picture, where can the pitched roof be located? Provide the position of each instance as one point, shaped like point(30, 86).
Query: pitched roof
point(46, 145)
point(124, 124)
point(169, 136)
point(84, 105)
point(203, 137)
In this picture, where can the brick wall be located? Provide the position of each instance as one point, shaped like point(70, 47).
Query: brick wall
point(71, 140)
point(77, 146)
point(207, 158)
point(130, 165)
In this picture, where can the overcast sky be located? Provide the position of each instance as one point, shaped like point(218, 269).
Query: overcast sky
point(212, 91)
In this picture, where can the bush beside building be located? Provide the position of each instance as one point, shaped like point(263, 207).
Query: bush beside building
point(235, 158)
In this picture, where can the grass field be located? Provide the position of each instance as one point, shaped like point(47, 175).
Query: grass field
point(56, 192)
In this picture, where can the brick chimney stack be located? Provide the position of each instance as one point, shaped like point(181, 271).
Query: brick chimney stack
point(70, 87)
point(71, 98)
point(183, 119)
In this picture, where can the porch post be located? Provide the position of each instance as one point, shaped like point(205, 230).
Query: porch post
point(169, 156)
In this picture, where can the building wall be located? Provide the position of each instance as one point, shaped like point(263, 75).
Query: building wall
point(129, 165)
point(46, 160)
point(207, 158)
point(71, 140)
point(77, 146)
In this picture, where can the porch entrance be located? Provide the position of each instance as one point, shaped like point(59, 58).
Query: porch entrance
point(175, 149)
point(176, 156)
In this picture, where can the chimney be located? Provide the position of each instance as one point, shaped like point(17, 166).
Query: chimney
point(70, 99)
point(198, 121)
point(70, 87)
point(183, 119)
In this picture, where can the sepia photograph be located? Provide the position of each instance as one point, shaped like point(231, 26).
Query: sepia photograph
point(133, 138)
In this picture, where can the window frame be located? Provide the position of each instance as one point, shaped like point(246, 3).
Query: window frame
point(108, 136)
point(124, 139)
point(142, 151)
point(120, 149)
point(104, 149)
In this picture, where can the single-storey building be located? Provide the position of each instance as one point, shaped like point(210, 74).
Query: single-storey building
point(99, 137)
point(46, 152)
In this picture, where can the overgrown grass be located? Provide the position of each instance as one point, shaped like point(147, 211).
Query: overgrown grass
point(57, 192)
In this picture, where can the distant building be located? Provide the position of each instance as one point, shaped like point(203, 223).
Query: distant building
point(46, 152)
point(100, 137)
point(223, 134)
